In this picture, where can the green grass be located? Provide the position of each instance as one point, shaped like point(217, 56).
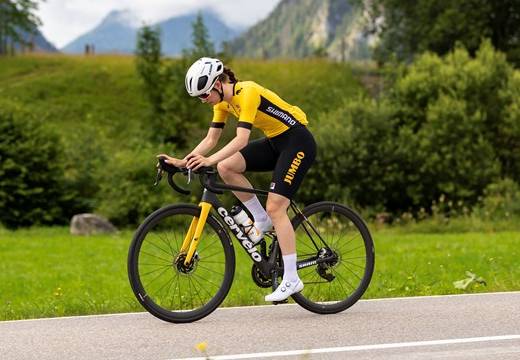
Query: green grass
point(46, 272)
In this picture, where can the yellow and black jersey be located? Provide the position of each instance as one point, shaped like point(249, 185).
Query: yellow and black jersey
point(254, 105)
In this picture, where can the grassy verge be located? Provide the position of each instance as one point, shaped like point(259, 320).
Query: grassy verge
point(47, 272)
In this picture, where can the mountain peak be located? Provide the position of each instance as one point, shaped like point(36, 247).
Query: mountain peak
point(124, 17)
point(117, 33)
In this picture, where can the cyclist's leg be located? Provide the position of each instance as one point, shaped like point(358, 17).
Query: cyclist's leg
point(258, 155)
point(231, 170)
point(276, 208)
point(297, 153)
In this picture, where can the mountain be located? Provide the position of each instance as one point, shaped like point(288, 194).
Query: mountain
point(300, 28)
point(117, 33)
point(42, 44)
point(176, 32)
point(38, 41)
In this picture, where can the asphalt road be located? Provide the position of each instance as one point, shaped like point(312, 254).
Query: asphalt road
point(483, 326)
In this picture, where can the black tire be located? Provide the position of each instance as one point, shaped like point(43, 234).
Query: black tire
point(157, 242)
point(355, 250)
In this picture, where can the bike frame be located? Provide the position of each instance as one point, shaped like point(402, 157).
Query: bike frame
point(267, 265)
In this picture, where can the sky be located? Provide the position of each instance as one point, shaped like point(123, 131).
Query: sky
point(65, 20)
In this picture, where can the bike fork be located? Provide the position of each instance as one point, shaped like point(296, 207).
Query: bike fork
point(191, 241)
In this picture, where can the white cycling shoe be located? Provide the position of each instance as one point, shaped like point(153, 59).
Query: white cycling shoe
point(284, 290)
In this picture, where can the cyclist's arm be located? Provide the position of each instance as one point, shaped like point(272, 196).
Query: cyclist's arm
point(208, 143)
point(238, 143)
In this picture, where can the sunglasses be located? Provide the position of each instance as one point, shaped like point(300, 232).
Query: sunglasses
point(204, 96)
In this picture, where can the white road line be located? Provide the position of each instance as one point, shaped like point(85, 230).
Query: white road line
point(270, 305)
point(357, 348)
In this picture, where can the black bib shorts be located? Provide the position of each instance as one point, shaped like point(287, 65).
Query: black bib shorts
point(289, 154)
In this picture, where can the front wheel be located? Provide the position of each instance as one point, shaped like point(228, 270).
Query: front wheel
point(162, 283)
point(337, 239)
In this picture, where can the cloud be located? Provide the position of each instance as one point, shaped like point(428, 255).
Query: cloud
point(65, 20)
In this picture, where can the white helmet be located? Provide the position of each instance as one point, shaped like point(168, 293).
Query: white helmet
point(202, 75)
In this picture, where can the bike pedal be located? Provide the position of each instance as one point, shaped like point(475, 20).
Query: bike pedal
point(280, 302)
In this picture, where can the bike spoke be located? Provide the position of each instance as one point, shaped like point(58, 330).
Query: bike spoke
point(159, 269)
point(157, 275)
point(201, 286)
point(208, 256)
point(206, 280)
point(160, 265)
point(165, 242)
point(155, 256)
point(210, 270)
point(198, 292)
point(191, 292)
point(170, 244)
point(341, 276)
point(351, 263)
point(207, 246)
point(169, 281)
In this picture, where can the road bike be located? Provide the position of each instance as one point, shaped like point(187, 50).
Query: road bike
point(181, 261)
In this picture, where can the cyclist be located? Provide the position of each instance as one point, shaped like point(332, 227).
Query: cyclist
point(288, 148)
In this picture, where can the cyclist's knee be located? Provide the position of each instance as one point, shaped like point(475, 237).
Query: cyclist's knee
point(222, 168)
point(276, 206)
point(229, 166)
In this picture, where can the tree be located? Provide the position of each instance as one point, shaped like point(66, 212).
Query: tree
point(175, 118)
point(202, 45)
point(148, 63)
point(411, 27)
point(17, 18)
point(32, 190)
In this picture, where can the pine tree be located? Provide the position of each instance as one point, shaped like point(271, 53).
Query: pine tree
point(148, 63)
point(202, 45)
point(16, 18)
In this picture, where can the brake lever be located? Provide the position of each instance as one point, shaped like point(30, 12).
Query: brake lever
point(159, 175)
point(190, 173)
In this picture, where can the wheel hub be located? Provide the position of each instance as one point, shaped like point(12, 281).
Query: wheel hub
point(178, 264)
point(323, 269)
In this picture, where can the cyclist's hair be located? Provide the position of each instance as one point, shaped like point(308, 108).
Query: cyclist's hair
point(228, 76)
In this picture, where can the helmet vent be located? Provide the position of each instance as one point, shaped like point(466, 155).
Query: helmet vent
point(203, 80)
point(219, 67)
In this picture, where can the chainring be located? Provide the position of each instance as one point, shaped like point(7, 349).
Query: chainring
point(259, 278)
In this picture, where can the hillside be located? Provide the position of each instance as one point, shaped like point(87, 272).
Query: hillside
point(38, 40)
point(77, 94)
point(304, 28)
point(102, 94)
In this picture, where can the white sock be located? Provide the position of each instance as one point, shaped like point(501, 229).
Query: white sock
point(289, 268)
point(256, 209)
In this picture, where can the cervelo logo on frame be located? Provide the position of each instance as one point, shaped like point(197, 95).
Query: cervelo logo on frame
point(244, 240)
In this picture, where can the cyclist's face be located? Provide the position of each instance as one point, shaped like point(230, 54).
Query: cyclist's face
point(214, 97)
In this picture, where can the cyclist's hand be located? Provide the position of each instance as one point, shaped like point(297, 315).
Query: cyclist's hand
point(197, 161)
point(173, 161)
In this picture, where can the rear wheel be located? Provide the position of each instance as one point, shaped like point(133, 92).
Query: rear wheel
point(339, 240)
point(162, 283)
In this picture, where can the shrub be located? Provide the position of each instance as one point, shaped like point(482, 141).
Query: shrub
point(126, 192)
point(31, 172)
point(356, 160)
point(449, 127)
point(501, 200)
point(449, 155)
